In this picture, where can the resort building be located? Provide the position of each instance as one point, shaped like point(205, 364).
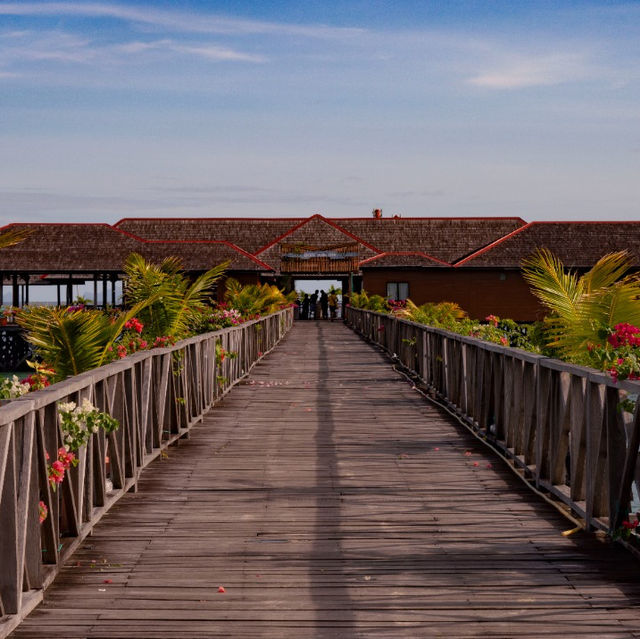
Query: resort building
point(472, 261)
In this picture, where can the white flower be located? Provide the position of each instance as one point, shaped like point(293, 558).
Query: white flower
point(66, 407)
point(87, 406)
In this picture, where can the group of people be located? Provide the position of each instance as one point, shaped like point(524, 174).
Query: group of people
point(319, 305)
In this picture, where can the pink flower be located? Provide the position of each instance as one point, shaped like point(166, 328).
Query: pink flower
point(504, 341)
point(43, 511)
point(492, 319)
point(56, 473)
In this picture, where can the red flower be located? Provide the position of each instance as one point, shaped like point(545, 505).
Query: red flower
point(492, 319)
point(43, 511)
point(134, 324)
point(56, 472)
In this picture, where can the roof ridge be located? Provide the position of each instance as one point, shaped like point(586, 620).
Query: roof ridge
point(318, 216)
point(492, 245)
point(421, 253)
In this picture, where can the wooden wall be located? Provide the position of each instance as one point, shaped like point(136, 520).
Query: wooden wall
point(480, 292)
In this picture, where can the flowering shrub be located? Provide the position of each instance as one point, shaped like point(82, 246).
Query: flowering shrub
point(619, 354)
point(57, 470)
point(40, 378)
point(78, 423)
point(134, 324)
point(213, 319)
point(12, 387)
point(625, 530)
point(221, 353)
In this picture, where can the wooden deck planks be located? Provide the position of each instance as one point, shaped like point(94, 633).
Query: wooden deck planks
point(330, 500)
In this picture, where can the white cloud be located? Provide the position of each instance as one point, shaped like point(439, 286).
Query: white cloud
point(174, 20)
point(207, 51)
point(545, 70)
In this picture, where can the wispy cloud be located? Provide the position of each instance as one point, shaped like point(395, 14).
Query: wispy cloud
point(65, 48)
point(206, 51)
point(545, 70)
point(174, 20)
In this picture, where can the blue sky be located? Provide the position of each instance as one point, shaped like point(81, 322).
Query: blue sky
point(278, 109)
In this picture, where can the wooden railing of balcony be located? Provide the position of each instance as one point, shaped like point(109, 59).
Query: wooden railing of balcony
point(156, 395)
point(562, 425)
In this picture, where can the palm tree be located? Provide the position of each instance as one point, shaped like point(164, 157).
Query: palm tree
point(584, 308)
point(14, 236)
point(72, 342)
point(256, 299)
point(176, 300)
point(440, 314)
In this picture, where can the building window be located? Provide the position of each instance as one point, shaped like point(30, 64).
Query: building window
point(397, 290)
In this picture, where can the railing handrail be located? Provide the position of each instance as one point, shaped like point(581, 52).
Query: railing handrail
point(157, 395)
point(560, 422)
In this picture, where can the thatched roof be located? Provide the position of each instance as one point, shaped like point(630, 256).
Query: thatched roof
point(577, 244)
point(447, 239)
point(67, 247)
point(250, 234)
point(56, 248)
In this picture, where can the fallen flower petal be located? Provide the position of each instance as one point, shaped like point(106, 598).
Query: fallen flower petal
point(221, 589)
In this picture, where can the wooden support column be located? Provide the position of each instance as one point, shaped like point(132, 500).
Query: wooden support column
point(104, 290)
point(70, 290)
point(15, 290)
point(95, 290)
point(114, 279)
point(58, 292)
point(25, 297)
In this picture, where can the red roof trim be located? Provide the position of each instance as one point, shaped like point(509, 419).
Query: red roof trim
point(309, 219)
point(420, 253)
point(225, 242)
point(491, 246)
point(539, 223)
point(142, 240)
point(287, 219)
point(207, 219)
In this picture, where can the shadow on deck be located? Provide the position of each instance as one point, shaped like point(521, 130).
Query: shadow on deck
point(330, 500)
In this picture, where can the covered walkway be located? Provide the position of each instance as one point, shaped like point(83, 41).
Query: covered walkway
point(330, 500)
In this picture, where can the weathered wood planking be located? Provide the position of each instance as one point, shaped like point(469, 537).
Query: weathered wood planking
point(331, 501)
point(156, 395)
point(562, 424)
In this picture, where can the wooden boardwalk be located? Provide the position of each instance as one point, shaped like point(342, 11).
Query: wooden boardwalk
point(330, 500)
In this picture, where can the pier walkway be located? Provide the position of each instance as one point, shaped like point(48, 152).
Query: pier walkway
point(329, 499)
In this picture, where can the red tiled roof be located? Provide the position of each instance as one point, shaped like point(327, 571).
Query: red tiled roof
point(577, 244)
point(402, 259)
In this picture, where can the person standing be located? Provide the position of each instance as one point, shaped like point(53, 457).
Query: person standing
point(324, 305)
point(305, 308)
point(333, 305)
point(315, 305)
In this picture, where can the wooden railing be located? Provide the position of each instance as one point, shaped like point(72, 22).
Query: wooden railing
point(156, 395)
point(563, 425)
